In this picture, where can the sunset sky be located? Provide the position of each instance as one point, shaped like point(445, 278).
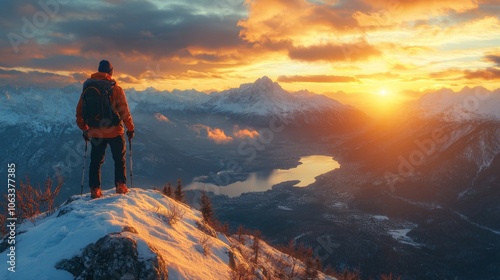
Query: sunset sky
point(359, 51)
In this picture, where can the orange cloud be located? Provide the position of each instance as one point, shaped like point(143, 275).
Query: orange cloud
point(215, 134)
point(329, 52)
point(245, 133)
point(484, 74)
point(387, 13)
point(161, 118)
point(448, 74)
point(280, 22)
point(317, 79)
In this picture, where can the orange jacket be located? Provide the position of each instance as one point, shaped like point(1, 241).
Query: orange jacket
point(118, 101)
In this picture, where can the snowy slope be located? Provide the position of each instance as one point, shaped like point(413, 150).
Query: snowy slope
point(81, 221)
point(151, 99)
point(467, 104)
point(37, 107)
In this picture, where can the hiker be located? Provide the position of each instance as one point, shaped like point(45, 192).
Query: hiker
point(101, 117)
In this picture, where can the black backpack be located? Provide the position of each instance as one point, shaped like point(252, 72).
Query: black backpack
point(97, 108)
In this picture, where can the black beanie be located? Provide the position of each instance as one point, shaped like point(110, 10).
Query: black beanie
point(106, 67)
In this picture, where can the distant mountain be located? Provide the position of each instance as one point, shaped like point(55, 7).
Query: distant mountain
point(265, 97)
point(443, 150)
point(467, 104)
point(37, 127)
point(140, 235)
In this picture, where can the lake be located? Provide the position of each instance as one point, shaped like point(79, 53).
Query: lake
point(306, 172)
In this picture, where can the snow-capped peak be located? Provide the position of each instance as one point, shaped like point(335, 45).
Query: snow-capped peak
point(265, 97)
point(468, 103)
point(265, 84)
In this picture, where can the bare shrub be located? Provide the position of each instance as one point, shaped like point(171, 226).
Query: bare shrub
point(206, 245)
point(241, 272)
point(172, 215)
point(176, 213)
point(48, 196)
point(32, 201)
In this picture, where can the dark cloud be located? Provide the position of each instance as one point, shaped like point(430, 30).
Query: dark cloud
point(330, 52)
point(34, 78)
point(493, 58)
point(483, 74)
point(143, 29)
point(317, 79)
point(132, 34)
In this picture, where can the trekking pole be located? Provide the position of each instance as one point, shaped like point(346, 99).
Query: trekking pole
point(130, 154)
point(84, 163)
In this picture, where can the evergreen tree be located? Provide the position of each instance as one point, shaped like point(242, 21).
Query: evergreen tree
point(206, 208)
point(240, 233)
point(256, 246)
point(167, 189)
point(313, 265)
point(179, 193)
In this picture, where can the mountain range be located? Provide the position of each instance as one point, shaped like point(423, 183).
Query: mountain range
point(430, 177)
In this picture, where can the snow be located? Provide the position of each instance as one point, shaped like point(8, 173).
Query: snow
point(285, 208)
point(54, 239)
point(467, 104)
point(381, 217)
point(399, 233)
point(36, 107)
point(265, 97)
point(401, 236)
point(84, 221)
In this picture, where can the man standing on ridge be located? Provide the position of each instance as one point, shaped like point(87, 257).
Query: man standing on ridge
point(101, 113)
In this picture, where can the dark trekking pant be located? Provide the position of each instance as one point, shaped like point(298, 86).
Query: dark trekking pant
point(118, 149)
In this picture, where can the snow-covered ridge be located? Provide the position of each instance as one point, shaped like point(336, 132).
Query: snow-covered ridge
point(467, 104)
point(36, 107)
point(83, 226)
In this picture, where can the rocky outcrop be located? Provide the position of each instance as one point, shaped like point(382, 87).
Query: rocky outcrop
point(116, 256)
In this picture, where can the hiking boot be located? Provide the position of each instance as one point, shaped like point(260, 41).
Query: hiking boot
point(95, 193)
point(121, 188)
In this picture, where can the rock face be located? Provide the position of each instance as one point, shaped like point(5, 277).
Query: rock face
point(116, 256)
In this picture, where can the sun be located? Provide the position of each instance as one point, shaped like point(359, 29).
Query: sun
point(383, 92)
